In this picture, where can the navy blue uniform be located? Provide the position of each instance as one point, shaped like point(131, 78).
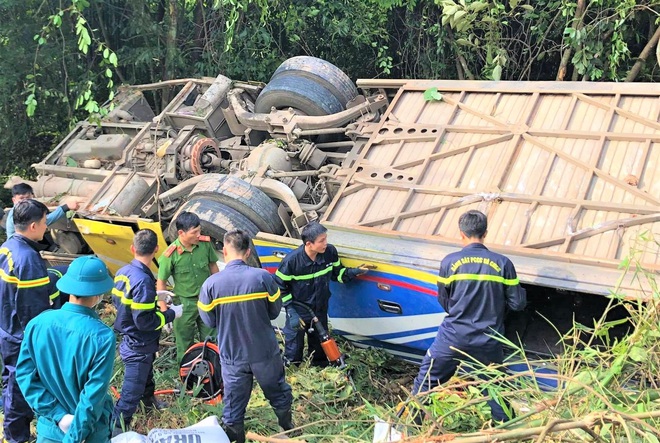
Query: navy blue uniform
point(57, 297)
point(475, 286)
point(307, 281)
point(140, 321)
point(240, 301)
point(23, 295)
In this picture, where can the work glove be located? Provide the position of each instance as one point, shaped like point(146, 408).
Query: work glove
point(165, 296)
point(65, 423)
point(293, 320)
point(178, 310)
point(354, 272)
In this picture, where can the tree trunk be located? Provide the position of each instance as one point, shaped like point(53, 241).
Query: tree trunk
point(170, 46)
point(200, 32)
point(576, 24)
point(632, 74)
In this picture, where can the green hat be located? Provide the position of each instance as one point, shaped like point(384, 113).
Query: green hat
point(86, 277)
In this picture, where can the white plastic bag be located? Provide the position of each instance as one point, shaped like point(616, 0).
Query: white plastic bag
point(384, 432)
point(206, 431)
point(130, 437)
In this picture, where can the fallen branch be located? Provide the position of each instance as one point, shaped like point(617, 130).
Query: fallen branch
point(257, 437)
point(585, 424)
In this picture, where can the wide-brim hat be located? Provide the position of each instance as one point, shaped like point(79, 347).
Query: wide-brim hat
point(86, 277)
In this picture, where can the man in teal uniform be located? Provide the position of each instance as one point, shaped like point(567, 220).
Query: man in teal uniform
point(66, 360)
point(189, 260)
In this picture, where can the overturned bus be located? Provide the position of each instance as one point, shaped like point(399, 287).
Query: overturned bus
point(568, 174)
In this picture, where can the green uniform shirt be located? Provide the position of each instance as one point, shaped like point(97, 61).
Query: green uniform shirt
point(188, 268)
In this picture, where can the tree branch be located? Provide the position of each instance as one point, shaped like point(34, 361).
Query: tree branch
point(634, 71)
point(566, 56)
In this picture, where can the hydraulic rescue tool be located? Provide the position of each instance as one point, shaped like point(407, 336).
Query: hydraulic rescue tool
point(328, 344)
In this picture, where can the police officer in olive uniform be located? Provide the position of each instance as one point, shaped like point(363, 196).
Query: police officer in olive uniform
point(190, 260)
point(475, 287)
point(240, 302)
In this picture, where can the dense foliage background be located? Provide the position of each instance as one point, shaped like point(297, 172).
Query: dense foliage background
point(59, 59)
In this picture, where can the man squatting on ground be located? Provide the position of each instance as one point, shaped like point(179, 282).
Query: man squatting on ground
point(140, 319)
point(304, 279)
point(67, 358)
point(190, 260)
point(23, 295)
point(240, 302)
point(475, 286)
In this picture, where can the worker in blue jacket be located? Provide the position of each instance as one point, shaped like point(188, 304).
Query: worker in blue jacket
point(57, 297)
point(475, 287)
point(240, 301)
point(23, 295)
point(304, 277)
point(23, 191)
point(140, 320)
point(67, 358)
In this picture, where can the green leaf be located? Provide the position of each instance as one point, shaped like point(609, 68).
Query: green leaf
point(478, 6)
point(108, 72)
point(497, 73)
point(638, 354)
point(106, 53)
point(527, 7)
point(432, 94)
point(458, 16)
point(113, 59)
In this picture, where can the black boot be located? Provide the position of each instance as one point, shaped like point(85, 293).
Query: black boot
point(285, 418)
point(235, 432)
point(154, 403)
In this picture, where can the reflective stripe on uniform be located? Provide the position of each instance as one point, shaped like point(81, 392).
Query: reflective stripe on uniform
point(341, 275)
point(162, 320)
point(275, 296)
point(142, 306)
point(34, 283)
point(8, 278)
point(122, 294)
point(286, 298)
point(285, 277)
point(55, 271)
point(479, 277)
point(54, 295)
point(23, 284)
point(236, 299)
point(10, 260)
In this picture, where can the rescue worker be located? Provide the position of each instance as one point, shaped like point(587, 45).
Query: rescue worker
point(23, 295)
point(66, 360)
point(140, 319)
point(475, 287)
point(190, 260)
point(23, 191)
point(304, 279)
point(57, 297)
point(240, 302)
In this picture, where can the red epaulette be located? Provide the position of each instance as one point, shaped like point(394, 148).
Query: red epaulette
point(204, 238)
point(169, 251)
